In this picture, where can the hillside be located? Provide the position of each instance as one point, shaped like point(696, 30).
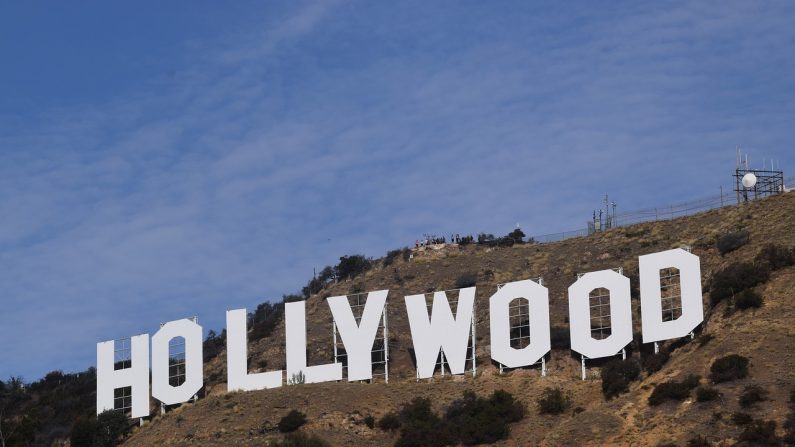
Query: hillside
point(336, 411)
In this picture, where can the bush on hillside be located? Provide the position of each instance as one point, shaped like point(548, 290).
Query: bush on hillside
point(673, 390)
point(560, 337)
point(301, 439)
point(740, 418)
point(777, 256)
point(469, 420)
point(213, 345)
point(420, 425)
point(103, 431)
point(730, 367)
point(389, 421)
point(706, 394)
point(292, 422)
point(466, 280)
point(352, 266)
point(553, 401)
point(732, 241)
point(654, 362)
point(747, 299)
point(392, 255)
point(760, 433)
point(751, 395)
point(264, 319)
point(737, 277)
point(478, 420)
point(369, 421)
point(617, 375)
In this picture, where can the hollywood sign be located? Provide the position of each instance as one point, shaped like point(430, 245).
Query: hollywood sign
point(440, 330)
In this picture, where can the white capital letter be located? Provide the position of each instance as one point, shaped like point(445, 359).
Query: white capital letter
point(162, 390)
point(295, 326)
point(359, 339)
point(537, 297)
point(654, 329)
point(441, 331)
point(580, 314)
point(136, 376)
point(238, 377)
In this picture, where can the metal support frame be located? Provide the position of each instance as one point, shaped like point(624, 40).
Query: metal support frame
point(357, 302)
point(519, 327)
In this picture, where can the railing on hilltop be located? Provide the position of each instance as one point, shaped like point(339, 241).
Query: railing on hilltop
point(655, 214)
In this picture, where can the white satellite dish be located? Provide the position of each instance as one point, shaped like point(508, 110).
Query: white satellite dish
point(749, 180)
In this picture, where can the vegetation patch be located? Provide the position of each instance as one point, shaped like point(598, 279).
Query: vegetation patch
point(104, 430)
point(732, 241)
point(292, 422)
point(553, 401)
point(748, 299)
point(760, 432)
point(301, 439)
point(707, 394)
point(730, 367)
point(466, 280)
point(735, 278)
point(470, 420)
point(673, 390)
point(751, 395)
point(617, 375)
point(654, 362)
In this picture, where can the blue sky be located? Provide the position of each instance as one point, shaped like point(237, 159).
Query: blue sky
point(159, 161)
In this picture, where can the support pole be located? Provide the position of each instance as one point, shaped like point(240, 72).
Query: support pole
point(386, 347)
point(583, 367)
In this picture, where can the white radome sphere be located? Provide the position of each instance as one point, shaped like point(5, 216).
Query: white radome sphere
point(749, 180)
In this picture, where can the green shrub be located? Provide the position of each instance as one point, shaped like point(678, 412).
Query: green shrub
point(553, 401)
point(469, 420)
point(730, 367)
point(389, 421)
point(301, 439)
point(421, 426)
point(369, 421)
point(292, 422)
point(103, 431)
point(777, 256)
point(673, 390)
point(466, 280)
point(476, 420)
point(760, 432)
point(752, 394)
point(732, 241)
point(737, 277)
point(740, 418)
point(353, 265)
point(391, 255)
point(83, 430)
point(654, 362)
point(616, 376)
point(747, 299)
point(706, 394)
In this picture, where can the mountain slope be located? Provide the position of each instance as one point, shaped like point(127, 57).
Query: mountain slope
point(336, 411)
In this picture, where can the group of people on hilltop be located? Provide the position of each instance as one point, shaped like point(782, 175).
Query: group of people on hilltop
point(433, 240)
